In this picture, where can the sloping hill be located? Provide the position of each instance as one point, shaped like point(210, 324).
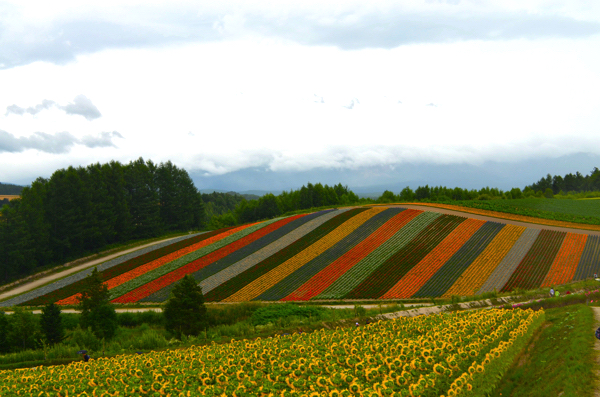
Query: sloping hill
point(382, 252)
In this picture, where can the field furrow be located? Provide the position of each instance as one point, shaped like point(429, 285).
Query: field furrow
point(482, 267)
point(359, 272)
point(332, 272)
point(444, 278)
point(263, 283)
point(306, 272)
point(279, 230)
point(564, 266)
point(535, 265)
point(408, 285)
point(170, 279)
point(399, 264)
point(589, 264)
point(330, 221)
point(218, 243)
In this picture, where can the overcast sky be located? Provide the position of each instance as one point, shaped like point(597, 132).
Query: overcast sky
point(264, 94)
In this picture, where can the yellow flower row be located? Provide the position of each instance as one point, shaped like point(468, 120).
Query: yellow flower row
point(482, 267)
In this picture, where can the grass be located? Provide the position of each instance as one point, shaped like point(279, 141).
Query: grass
point(559, 359)
point(578, 211)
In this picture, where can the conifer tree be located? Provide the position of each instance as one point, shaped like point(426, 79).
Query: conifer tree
point(51, 324)
point(97, 312)
point(185, 313)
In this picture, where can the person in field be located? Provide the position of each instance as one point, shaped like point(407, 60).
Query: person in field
point(552, 292)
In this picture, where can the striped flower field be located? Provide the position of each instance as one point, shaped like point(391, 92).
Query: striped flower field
point(352, 253)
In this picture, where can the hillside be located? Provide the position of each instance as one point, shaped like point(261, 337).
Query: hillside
point(383, 252)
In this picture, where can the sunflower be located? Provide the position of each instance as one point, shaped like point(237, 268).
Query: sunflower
point(438, 369)
point(354, 388)
point(222, 379)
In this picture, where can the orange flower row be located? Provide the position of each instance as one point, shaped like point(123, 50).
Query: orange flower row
point(565, 264)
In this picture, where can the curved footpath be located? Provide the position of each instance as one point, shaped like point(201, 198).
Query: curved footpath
point(494, 219)
point(75, 269)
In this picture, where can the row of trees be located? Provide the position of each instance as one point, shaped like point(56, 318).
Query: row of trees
point(545, 187)
point(184, 314)
point(270, 206)
point(443, 193)
point(82, 210)
point(570, 183)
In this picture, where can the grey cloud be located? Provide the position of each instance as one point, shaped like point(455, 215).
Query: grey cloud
point(46, 104)
point(60, 41)
point(104, 139)
point(390, 30)
point(81, 105)
point(61, 142)
point(433, 105)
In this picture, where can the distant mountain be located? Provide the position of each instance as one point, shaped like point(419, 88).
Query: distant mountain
point(247, 194)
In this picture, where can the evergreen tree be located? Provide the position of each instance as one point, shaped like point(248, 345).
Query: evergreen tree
point(51, 324)
point(5, 331)
point(185, 313)
point(97, 312)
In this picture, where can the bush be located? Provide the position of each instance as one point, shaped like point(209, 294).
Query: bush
point(84, 339)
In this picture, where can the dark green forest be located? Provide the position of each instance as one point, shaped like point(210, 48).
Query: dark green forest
point(78, 211)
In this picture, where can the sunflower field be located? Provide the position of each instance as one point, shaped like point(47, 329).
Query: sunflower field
point(448, 354)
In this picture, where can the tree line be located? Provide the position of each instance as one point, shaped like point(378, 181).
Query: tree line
point(78, 211)
point(570, 183)
point(547, 187)
point(271, 206)
point(9, 189)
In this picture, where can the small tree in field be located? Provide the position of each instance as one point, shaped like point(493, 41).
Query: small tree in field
point(96, 309)
point(185, 313)
point(51, 324)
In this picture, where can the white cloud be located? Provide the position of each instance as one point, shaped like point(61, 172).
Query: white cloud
point(315, 86)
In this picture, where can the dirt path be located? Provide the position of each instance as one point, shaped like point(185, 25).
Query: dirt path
point(500, 220)
point(55, 276)
point(597, 348)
